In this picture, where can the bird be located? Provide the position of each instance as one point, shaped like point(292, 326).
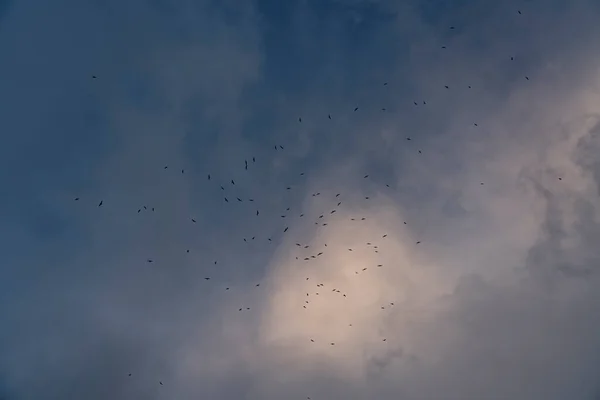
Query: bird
point(76, 199)
point(101, 202)
point(329, 116)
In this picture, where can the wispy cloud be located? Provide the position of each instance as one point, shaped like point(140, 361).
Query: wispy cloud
point(463, 266)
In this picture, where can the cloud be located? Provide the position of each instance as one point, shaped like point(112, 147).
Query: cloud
point(497, 301)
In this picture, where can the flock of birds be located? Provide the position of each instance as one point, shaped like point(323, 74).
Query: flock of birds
point(230, 195)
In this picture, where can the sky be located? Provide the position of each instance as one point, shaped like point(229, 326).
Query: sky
point(348, 261)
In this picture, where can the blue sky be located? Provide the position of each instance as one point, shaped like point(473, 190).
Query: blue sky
point(498, 184)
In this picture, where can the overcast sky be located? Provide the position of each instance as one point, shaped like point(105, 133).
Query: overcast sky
point(473, 269)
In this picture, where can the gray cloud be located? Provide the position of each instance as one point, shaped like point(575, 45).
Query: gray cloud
point(498, 301)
